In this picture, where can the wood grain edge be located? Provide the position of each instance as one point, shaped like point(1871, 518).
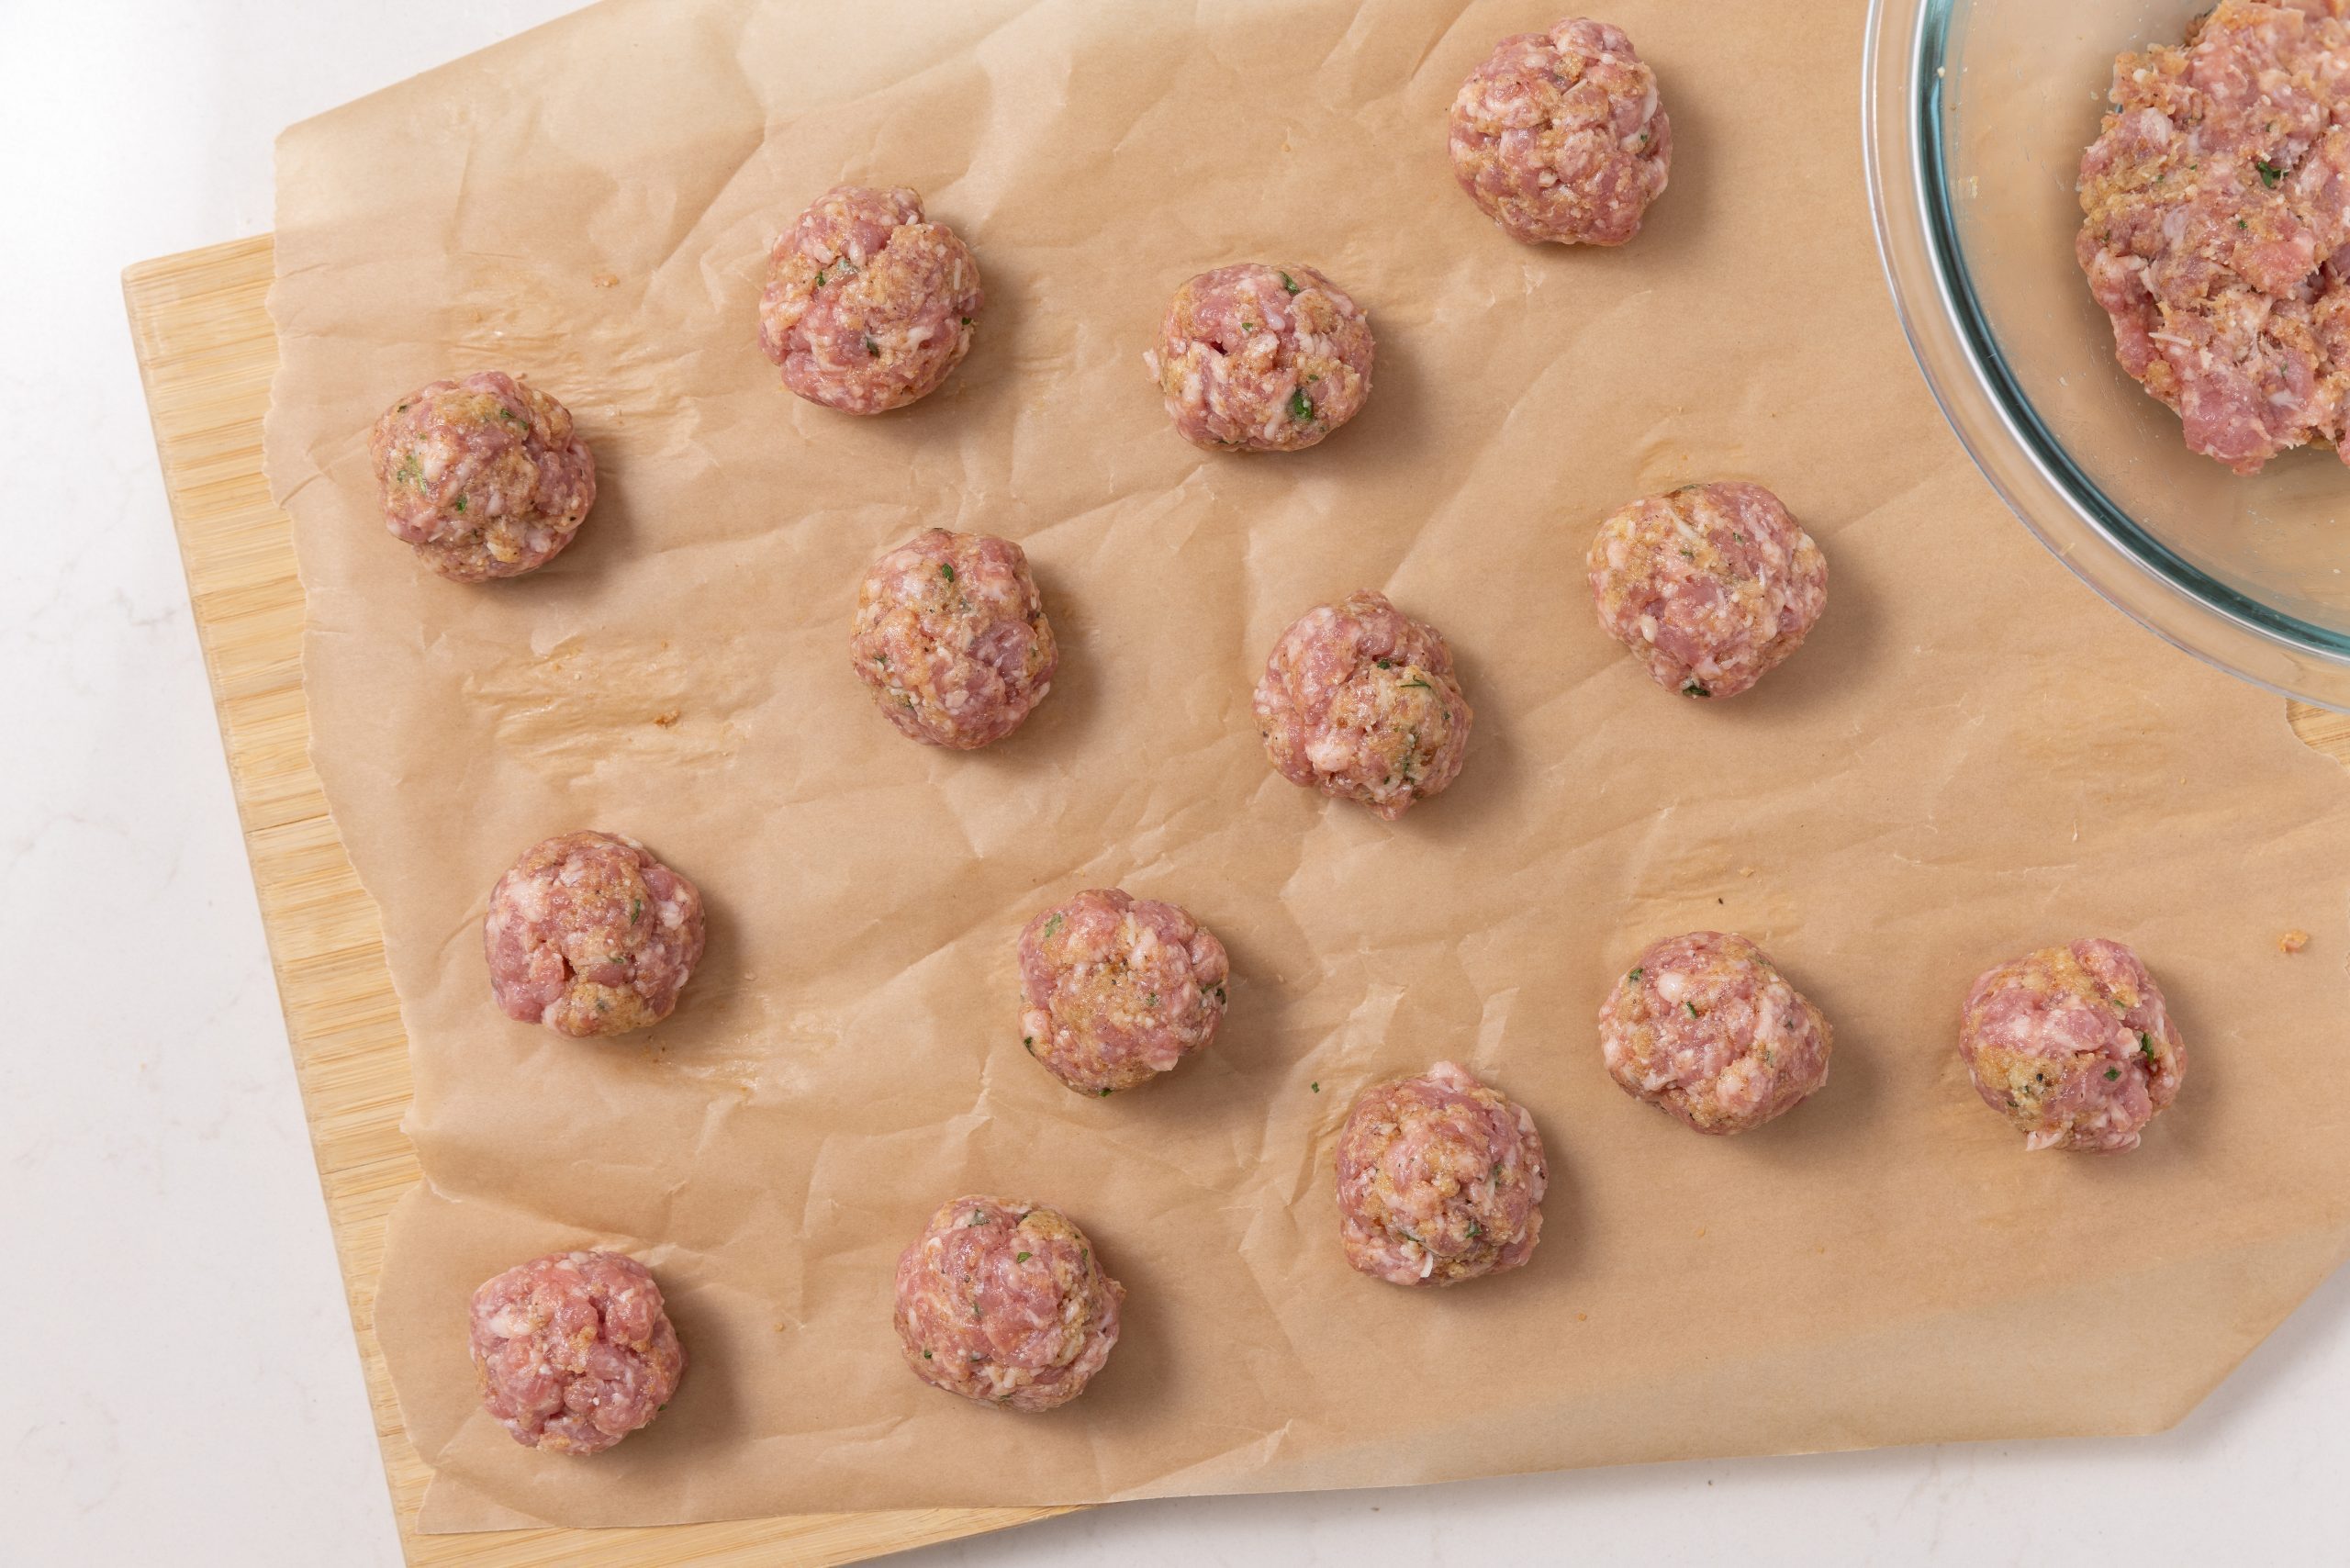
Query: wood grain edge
point(2322, 729)
point(206, 349)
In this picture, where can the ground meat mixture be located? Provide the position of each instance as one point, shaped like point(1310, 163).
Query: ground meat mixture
point(1440, 1180)
point(1006, 1304)
point(1118, 990)
point(485, 476)
point(1711, 586)
point(574, 1351)
point(1358, 701)
point(1254, 358)
point(952, 639)
point(2073, 1045)
point(1560, 136)
point(1703, 1026)
point(2218, 226)
point(589, 934)
point(868, 305)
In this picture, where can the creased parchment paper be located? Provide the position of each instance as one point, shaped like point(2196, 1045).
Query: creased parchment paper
point(1972, 757)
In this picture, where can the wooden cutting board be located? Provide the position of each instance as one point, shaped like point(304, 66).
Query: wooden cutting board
point(207, 353)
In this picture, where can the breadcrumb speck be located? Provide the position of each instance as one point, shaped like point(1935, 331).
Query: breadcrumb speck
point(2292, 941)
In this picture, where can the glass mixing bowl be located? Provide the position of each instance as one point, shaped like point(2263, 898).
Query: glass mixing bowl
point(1977, 113)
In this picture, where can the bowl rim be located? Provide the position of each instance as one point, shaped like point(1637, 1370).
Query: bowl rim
point(1904, 53)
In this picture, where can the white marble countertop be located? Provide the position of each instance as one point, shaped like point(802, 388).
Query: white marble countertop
point(181, 1383)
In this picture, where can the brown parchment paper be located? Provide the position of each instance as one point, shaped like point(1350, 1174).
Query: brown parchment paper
point(1973, 756)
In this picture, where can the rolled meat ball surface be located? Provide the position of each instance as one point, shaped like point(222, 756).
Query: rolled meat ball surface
point(1710, 586)
point(485, 476)
point(951, 638)
point(1440, 1180)
point(1705, 1028)
point(1256, 358)
point(1359, 701)
point(588, 933)
point(868, 305)
point(1561, 136)
point(1118, 990)
point(2073, 1045)
point(575, 1350)
point(1006, 1302)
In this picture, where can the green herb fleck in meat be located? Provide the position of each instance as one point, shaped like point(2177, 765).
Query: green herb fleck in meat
point(2146, 1046)
point(1052, 925)
point(820, 277)
point(1300, 406)
point(2269, 173)
point(1416, 680)
point(461, 503)
point(1692, 1007)
point(635, 911)
point(1021, 1258)
point(872, 347)
point(1694, 689)
point(1289, 282)
point(946, 570)
point(1634, 976)
point(2111, 1073)
point(1105, 1095)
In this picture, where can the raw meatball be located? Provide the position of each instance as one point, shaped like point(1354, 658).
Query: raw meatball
point(2217, 211)
point(1118, 990)
point(1704, 1026)
point(589, 934)
point(1358, 701)
point(951, 637)
point(1440, 1180)
point(2073, 1044)
point(1711, 584)
point(1262, 359)
point(574, 1351)
point(1560, 136)
point(484, 477)
point(868, 305)
point(1007, 1303)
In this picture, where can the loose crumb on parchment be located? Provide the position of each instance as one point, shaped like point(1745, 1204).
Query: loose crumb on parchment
point(2293, 941)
